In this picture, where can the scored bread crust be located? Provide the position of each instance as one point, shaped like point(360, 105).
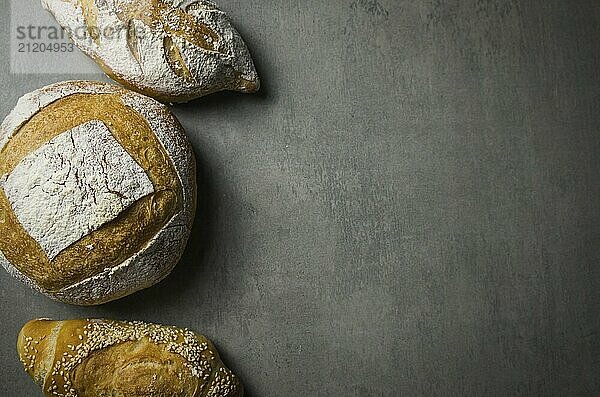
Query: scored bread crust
point(155, 260)
point(101, 358)
point(171, 50)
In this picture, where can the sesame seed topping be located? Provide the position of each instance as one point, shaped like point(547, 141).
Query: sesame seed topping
point(199, 359)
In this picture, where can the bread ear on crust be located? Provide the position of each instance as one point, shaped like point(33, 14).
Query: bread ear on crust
point(101, 358)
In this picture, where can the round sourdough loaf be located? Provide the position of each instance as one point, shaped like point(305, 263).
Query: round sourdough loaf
point(172, 50)
point(97, 191)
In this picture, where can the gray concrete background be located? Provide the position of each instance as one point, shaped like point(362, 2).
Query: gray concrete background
point(410, 207)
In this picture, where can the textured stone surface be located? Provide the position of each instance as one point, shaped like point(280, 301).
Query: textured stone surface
point(72, 185)
point(410, 208)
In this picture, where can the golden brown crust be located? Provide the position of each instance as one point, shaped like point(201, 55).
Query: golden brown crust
point(36, 346)
point(69, 334)
point(134, 368)
point(90, 15)
point(104, 358)
point(115, 241)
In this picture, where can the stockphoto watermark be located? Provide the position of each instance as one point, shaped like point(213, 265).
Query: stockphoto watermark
point(38, 44)
point(35, 39)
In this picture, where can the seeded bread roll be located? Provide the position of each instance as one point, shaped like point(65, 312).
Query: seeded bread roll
point(172, 50)
point(97, 191)
point(102, 358)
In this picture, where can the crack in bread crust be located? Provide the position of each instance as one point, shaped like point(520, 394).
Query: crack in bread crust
point(174, 21)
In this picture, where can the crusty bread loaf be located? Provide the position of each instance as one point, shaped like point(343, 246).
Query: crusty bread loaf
point(102, 358)
point(97, 191)
point(172, 50)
